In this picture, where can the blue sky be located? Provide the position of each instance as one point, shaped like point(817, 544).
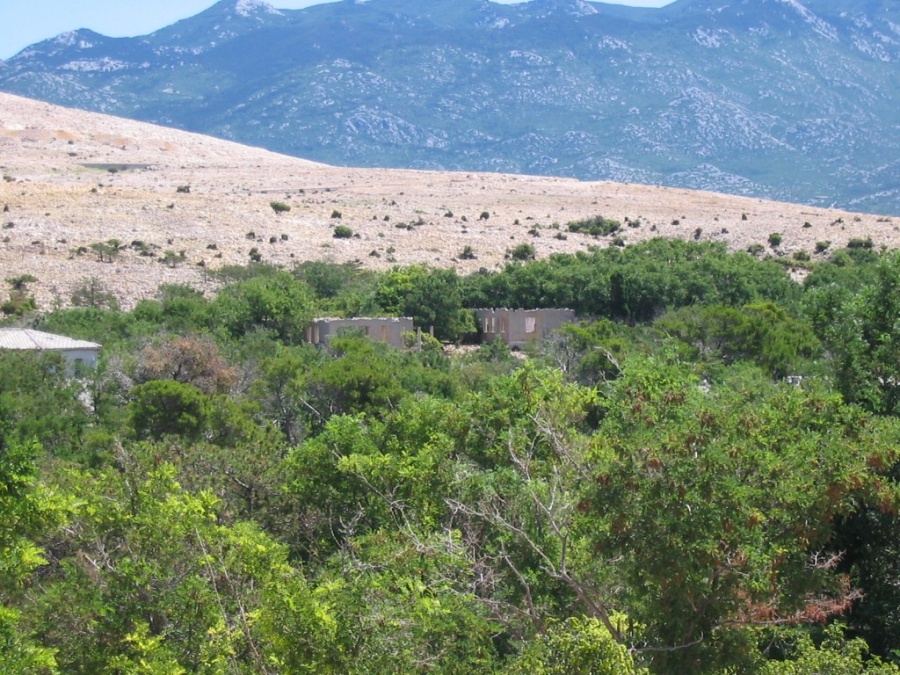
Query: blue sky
point(24, 22)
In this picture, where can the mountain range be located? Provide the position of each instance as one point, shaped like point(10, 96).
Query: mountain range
point(793, 100)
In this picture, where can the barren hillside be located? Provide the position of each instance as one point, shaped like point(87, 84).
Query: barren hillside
point(72, 179)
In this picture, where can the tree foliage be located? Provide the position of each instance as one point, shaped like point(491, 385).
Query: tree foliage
point(643, 492)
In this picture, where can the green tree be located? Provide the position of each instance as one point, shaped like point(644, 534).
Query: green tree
point(167, 407)
point(93, 293)
point(718, 513)
point(147, 580)
point(576, 646)
point(277, 302)
point(433, 298)
point(761, 332)
point(865, 340)
point(28, 511)
point(835, 656)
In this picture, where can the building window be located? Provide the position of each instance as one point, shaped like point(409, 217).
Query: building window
point(530, 322)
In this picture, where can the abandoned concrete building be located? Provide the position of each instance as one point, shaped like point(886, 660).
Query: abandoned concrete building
point(518, 327)
point(390, 329)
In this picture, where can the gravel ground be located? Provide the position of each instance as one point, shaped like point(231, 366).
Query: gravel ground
point(72, 179)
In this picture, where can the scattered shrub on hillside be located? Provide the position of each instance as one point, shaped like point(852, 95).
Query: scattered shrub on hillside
point(279, 207)
point(484, 215)
point(342, 232)
point(822, 246)
point(20, 283)
point(755, 249)
point(522, 252)
point(19, 302)
point(775, 239)
point(467, 253)
point(596, 226)
point(801, 256)
point(857, 243)
point(337, 215)
point(93, 293)
point(107, 250)
point(172, 259)
point(183, 189)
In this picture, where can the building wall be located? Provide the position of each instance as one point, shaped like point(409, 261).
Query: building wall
point(388, 330)
point(518, 327)
point(85, 357)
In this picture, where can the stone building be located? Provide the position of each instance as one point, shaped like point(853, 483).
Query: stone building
point(518, 327)
point(390, 329)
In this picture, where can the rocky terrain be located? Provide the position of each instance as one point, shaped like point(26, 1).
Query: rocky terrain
point(795, 100)
point(73, 179)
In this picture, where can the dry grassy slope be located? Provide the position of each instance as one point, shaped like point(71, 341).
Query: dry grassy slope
point(56, 204)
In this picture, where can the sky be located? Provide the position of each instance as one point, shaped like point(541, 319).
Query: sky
point(24, 22)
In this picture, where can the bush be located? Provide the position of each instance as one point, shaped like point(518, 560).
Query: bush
point(822, 246)
point(522, 252)
point(775, 239)
point(279, 207)
point(336, 214)
point(596, 226)
point(467, 253)
point(342, 232)
point(857, 243)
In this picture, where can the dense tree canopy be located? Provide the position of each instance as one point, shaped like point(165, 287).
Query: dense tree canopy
point(700, 475)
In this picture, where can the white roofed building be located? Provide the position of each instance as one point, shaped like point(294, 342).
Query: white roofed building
point(77, 353)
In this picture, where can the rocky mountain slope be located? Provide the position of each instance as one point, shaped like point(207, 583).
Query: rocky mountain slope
point(795, 100)
point(179, 204)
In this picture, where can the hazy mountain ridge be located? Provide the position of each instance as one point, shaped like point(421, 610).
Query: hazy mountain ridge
point(785, 99)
